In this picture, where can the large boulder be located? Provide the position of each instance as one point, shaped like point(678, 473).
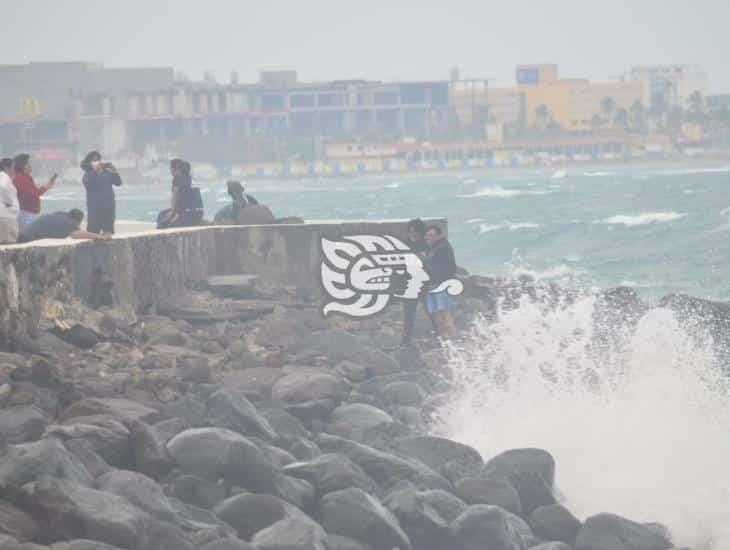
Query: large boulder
point(292, 534)
point(228, 544)
point(26, 463)
point(332, 472)
point(17, 523)
point(481, 527)
point(338, 542)
point(447, 457)
point(353, 513)
point(495, 492)
point(108, 436)
point(250, 513)
point(425, 527)
point(231, 410)
point(287, 426)
point(140, 490)
point(247, 466)
point(446, 504)
point(22, 424)
point(407, 394)
point(196, 491)
point(86, 454)
point(339, 345)
point(299, 387)
point(555, 523)
point(122, 408)
point(610, 532)
point(354, 421)
point(149, 455)
point(203, 451)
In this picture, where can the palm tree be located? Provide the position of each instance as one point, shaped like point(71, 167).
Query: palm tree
point(621, 118)
point(608, 105)
point(596, 122)
point(696, 105)
point(542, 115)
point(638, 117)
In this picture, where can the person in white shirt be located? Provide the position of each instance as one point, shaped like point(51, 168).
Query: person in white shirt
point(9, 206)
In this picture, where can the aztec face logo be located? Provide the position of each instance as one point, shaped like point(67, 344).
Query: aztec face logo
point(362, 273)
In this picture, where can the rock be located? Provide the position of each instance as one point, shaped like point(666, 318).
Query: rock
point(107, 436)
point(610, 532)
point(26, 463)
point(447, 505)
point(228, 544)
point(300, 387)
point(122, 408)
point(249, 513)
point(68, 511)
point(148, 454)
point(22, 424)
point(81, 544)
point(355, 514)
point(404, 393)
point(16, 523)
point(552, 546)
point(384, 468)
point(339, 346)
point(85, 453)
point(13, 359)
point(140, 490)
point(248, 467)
point(281, 333)
point(352, 371)
point(292, 534)
point(276, 455)
point(555, 523)
point(159, 535)
point(422, 523)
point(409, 416)
point(495, 492)
point(287, 426)
point(332, 472)
point(354, 421)
point(167, 429)
point(522, 461)
point(312, 412)
point(197, 491)
point(338, 542)
point(188, 408)
point(257, 381)
point(481, 527)
point(442, 455)
point(231, 410)
point(198, 520)
point(304, 450)
point(202, 451)
point(162, 331)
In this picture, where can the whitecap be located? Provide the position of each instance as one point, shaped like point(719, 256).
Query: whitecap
point(645, 218)
point(486, 228)
point(498, 192)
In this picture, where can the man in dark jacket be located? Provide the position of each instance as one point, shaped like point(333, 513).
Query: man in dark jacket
point(440, 264)
point(415, 235)
point(100, 178)
point(59, 225)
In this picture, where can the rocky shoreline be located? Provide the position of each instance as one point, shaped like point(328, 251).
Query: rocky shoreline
point(250, 422)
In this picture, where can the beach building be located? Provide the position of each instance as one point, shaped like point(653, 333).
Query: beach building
point(674, 84)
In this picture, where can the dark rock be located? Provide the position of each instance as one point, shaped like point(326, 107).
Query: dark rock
point(409, 416)
point(301, 387)
point(188, 408)
point(292, 534)
point(408, 394)
point(85, 453)
point(304, 450)
point(441, 455)
point(447, 505)
point(21, 464)
point(122, 408)
point(107, 436)
point(355, 514)
point(352, 371)
point(257, 381)
point(384, 468)
point(610, 532)
point(167, 429)
point(149, 455)
point(227, 409)
point(555, 523)
point(338, 542)
point(298, 492)
point(495, 492)
point(202, 451)
point(279, 457)
point(355, 421)
point(228, 544)
point(552, 546)
point(312, 411)
point(22, 424)
point(198, 520)
point(481, 527)
point(16, 523)
point(197, 491)
point(282, 333)
point(81, 544)
point(248, 467)
point(249, 513)
point(522, 461)
point(287, 426)
point(159, 535)
point(422, 523)
point(140, 490)
point(332, 472)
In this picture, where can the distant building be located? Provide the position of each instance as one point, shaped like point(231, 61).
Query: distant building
point(717, 102)
point(673, 83)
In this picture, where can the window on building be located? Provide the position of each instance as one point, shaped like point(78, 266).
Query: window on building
point(385, 98)
point(271, 102)
point(299, 101)
point(331, 100)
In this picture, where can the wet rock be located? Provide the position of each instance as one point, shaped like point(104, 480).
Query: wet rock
point(22, 424)
point(304, 450)
point(107, 436)
point(122, 408)
point(422, 523)
point(281, 333)
point(248, 467)
point(332, 472)
point(292, 534)
point(356, 420)
point(85, 453)
point(167, 429)
point(159, 535)
point(298, 492)
point(447, 457)
point(228, 544)
point(312, 412)
point(519, 461)
point(258, 381)
point(555, 523)
point(25, 463)
point(202, 451)
point(276, 455)
point(300, 387)
point(287, 426)
point(384, 468)
point(162, 331)
point(338, 542)
point(227, 409)
point(17, 523)
point(403, 393)
point(355, 514)
point(610, 532)
point(250, 513)
point(409, 416)
point(352, 371)
point(188, 408)
point(495, 492)
point(339, 346)
point(483, 526)
point(447, 505)
point(81, 544)
point(197, 491)
point(140, 490)
point(198, 520)
point(148, 454)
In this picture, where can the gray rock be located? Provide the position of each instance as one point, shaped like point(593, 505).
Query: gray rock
point(250, 513)
point(228, 544)
point(312, 412)
point(300, 387)
point(442, 455)
point(197, 520)
point(339, 346)
point(188, 408)
point(84, 451)
point(384, 468)
point(203, 451)
point(407, 394)
point(287, 426)
point(555, 523)
point(332, 472)
point(481, 527)
point(21, 464)
point(167, 429)
point(422, 523)
point(355, 421)
point(447, 505)
point(495, 492)
point(279, 457)
point(17, 523)
point(22, 424)
point(231, 410)
point(159, 535)
point(121, 408)
point(197, 491)
point(106, 435)
point(140, 490)
point(149, 455)
point(409, 416)
point(282, 332)
point(552, 546)
point(70, 511)
point(352, 371)
point(81, 544)
point(522, 461)
point(248, 467)
point(304, 450)
point(298, 492)
point(258, 381)
point(610, 532)
point(338, 542)
point(292, 534)
point(355, 514)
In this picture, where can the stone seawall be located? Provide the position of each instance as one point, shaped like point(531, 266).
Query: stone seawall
point(149, 268)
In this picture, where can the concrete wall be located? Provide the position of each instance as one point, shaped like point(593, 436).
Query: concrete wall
point(154, 267)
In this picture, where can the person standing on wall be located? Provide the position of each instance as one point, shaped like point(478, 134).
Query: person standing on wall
point(100, 178)
point(9, 206)
point(440, 264)
point(29, 194)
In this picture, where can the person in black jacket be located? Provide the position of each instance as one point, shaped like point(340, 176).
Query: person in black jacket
point(440, 264)
point(415, 236)
point(100, 178)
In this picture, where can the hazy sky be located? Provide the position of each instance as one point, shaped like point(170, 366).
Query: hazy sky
point(376, 39)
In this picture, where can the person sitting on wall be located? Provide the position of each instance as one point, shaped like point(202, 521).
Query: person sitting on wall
point(239, 201)
point(59, 225)
point(187, 204)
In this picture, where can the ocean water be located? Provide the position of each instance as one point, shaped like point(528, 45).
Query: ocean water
point(659, 229)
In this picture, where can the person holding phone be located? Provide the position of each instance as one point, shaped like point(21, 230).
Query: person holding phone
point(29, 194)
point(100, 178)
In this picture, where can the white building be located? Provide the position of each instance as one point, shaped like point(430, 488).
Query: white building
point(675, 82)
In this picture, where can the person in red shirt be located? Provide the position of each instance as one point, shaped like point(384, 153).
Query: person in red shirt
point(29, 194)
